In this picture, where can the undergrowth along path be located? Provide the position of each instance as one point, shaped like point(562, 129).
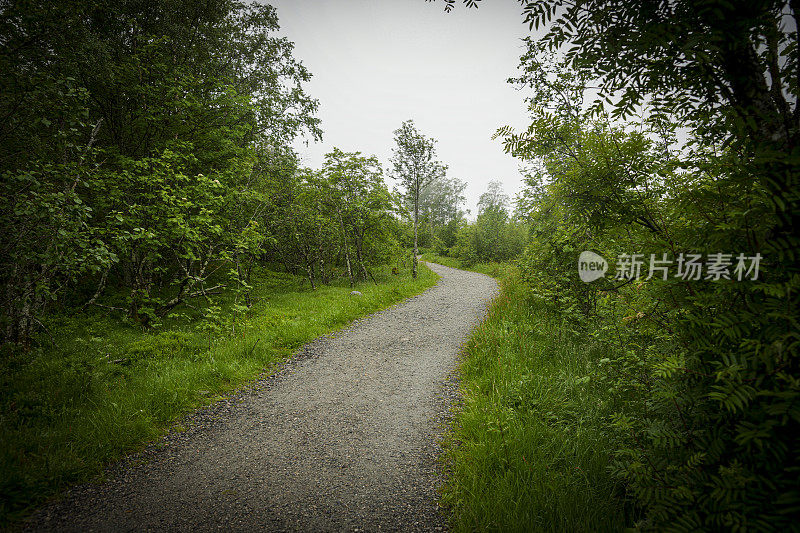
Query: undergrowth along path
point(343, 438)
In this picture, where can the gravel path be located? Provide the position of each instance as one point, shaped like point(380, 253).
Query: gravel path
point(344, 437)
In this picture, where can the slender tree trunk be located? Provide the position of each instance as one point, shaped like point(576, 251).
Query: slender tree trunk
point(416, 215)
point(310, 273)
point(323, 273)
point(349, 267)
point(242, 280)
point(359, 242)
point(100, 288)
point(320, 257)
point(25, 323)
point(346, 250)
point(247, 273)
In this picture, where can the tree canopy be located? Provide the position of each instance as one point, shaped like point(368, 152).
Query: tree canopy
point(704, 369)
point(146, 161)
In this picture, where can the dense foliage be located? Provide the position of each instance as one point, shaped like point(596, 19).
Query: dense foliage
point(440, 213)
point(703, 368)
point(495, 236)
point(529, 449)
point(146, 162)
point(159, 241)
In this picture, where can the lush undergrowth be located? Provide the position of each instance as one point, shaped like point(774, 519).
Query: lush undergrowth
point(528, 450)
point(99, 388)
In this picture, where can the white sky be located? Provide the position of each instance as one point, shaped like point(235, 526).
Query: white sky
point(376, 63)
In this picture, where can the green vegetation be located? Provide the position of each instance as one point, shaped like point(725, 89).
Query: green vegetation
point(529, 450)
point(140, 144)
point(158, 229)
point(495, 270)
point(155, 225)
point(687, 154)
point(146, 163)
point(494, 237)
point(416, 167)
point(100, 388)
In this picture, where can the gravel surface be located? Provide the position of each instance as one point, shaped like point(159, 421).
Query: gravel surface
point(343, 437)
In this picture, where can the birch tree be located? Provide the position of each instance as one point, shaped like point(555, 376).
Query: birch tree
point(415, 166)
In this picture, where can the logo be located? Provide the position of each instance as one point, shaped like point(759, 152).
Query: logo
point(591, 266)
point(690, 266)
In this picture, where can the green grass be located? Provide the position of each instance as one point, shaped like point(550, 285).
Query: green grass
point(527, 450)
point(490, 269)
point(101, 388)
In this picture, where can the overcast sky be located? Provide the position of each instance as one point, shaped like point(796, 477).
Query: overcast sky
point(376, 63)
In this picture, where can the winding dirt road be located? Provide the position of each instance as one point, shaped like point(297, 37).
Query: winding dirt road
point(343, 438)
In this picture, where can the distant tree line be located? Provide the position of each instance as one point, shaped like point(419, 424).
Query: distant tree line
point(496, 234)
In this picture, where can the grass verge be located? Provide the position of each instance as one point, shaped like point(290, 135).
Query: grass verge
point(495, 270)
point(100, 388)
point(527, 450)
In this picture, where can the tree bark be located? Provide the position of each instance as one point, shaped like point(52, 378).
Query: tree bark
point(416, 215)
point(310, 272)
point(346, 250)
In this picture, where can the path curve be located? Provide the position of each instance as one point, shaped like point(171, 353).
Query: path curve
point(343, 439)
